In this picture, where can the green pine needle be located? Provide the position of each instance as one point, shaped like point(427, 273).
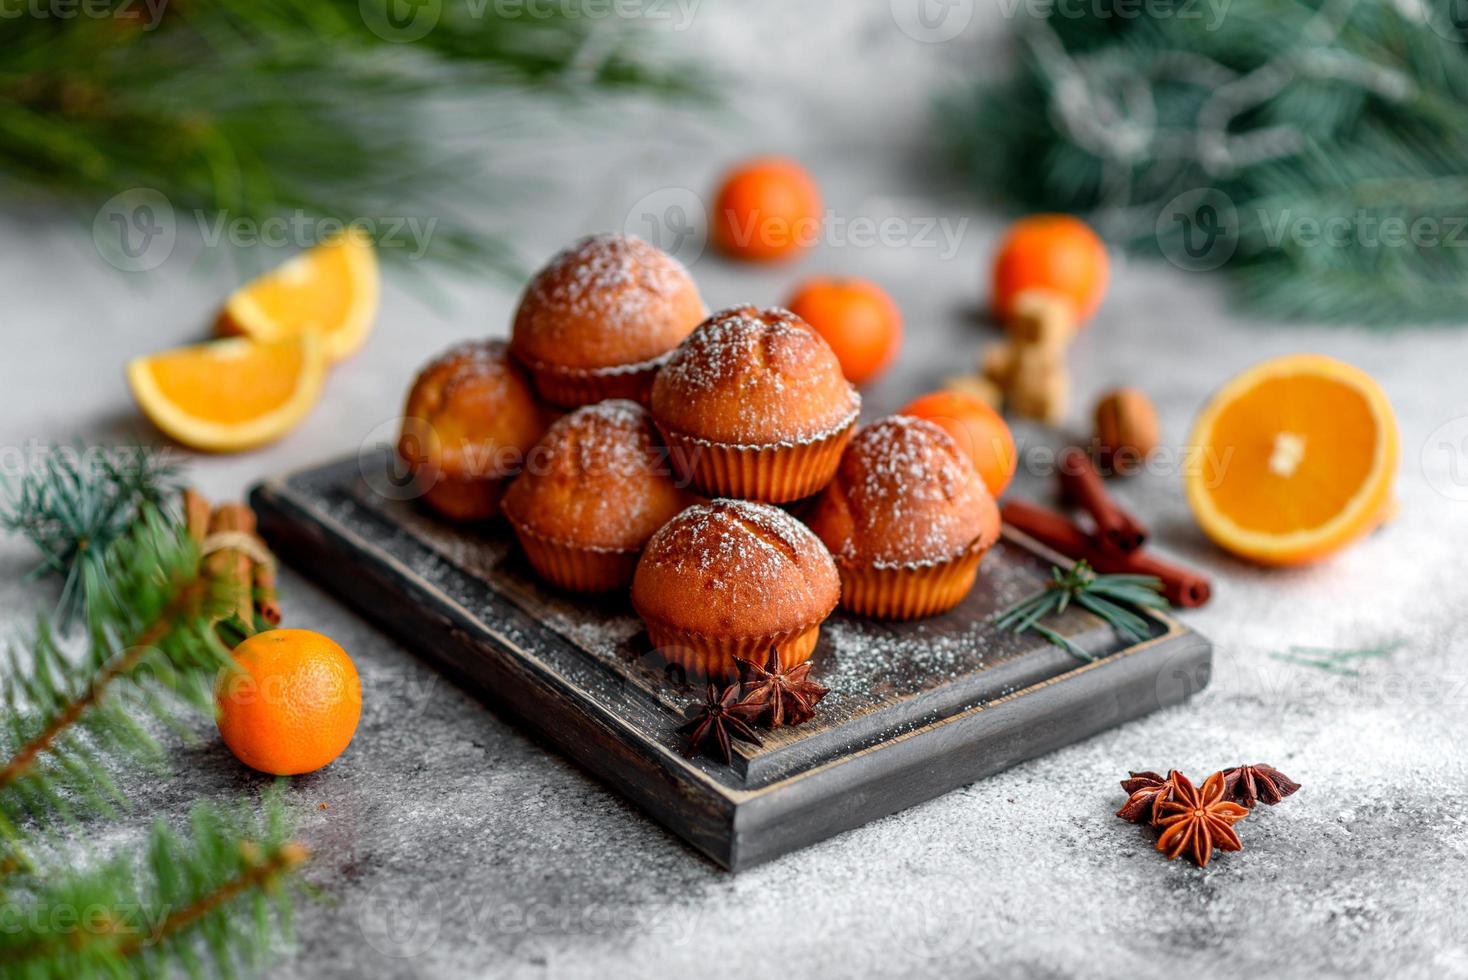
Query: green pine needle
point(1113, 598)
point(1336, 130)
point(242, 111)
point(151, 648)
point(72, 503)
point(1332, 660)
point(214, 897)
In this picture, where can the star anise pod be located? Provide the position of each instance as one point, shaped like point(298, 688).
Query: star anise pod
point(776, 696)
point(719, 720)
point(1148, 792)
point(1258, 783)
point(1198, 820)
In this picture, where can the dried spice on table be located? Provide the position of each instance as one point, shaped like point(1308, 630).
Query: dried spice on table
point(1257, 783)
point(719, 720)
point(1198, 820)
point(776, 695)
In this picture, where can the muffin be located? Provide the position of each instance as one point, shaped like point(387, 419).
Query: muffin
point(907, 520)
point(753, 405)
point(596, 488)
point(600, 318)
point(470, 419)
point(732, 578)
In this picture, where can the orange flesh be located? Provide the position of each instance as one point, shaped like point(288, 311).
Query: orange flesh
point(227, 387)
point(312, 292)
point(1291, 453)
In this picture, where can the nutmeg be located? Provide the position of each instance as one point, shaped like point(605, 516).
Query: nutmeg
point(1126, 429)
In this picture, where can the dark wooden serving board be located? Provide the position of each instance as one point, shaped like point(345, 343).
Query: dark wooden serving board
point(915, 709)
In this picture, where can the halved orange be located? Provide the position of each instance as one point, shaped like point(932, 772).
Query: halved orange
point(331, 289)
point(1294, 459)
point(230, 394)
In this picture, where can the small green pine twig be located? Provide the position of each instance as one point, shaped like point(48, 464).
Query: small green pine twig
point(73, 502)
point(1332, 660)
point(151, 646)
point(1116, 599)
point(212, 898)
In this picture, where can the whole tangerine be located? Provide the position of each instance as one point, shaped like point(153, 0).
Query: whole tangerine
point(1058, 253)
point(291, 703)
point(858, 319)
point(768, 208)
point(978, 429)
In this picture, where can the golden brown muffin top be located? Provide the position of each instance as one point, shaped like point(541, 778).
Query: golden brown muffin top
point(471, 413)
point(607, 301)
point(735, 568)
point(904, 494)
point(751, 376)
point(598, 479)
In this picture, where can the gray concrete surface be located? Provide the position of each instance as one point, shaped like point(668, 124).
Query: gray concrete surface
point(449, 844)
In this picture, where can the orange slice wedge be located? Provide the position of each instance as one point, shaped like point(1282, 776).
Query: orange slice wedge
point(1293, 460)
point(331, 289)
point(233, 394)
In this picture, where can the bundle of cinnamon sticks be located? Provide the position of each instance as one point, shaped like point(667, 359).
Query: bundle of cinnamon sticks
point(1115, 544)
point(235, 555)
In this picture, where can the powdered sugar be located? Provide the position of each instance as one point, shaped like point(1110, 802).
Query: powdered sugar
point(913, 499)
point(613, 436)
point(733, 542)
point(611, 278)
point(752, 376)
point(733, 344)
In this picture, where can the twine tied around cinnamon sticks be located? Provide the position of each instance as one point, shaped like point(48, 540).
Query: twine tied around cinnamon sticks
point(233, 553)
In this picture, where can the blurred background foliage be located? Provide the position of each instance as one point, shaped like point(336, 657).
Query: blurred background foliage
point(1321, 145)
point(261, 108)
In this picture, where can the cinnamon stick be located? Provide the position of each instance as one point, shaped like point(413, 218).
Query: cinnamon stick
point(1182, 587)
point(196, 514)
point(233, 565)
point(1082, 486)
point(267, 601)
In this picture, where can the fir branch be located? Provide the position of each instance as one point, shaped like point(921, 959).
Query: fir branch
point(1116, 599)
point(1335, 131)
point(205, 898)
point(151, 645)
point(242, 111)
point(73, 502)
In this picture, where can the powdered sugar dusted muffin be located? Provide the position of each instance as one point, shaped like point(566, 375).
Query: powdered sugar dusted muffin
point(754, 405)
point(595, 488)
point(470, 418)
point(907, 520)
point(598, 320)
point(732, 578)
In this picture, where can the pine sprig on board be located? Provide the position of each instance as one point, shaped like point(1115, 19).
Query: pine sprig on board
point(73, 502)
point(151, 647)
point(336, 109)
point(210, 900)
point(1114, 598)
point(1328, 120)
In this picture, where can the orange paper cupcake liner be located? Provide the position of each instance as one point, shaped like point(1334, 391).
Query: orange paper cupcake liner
point(575, 568)
point(712, 658)
point(773, 474)
point(573, 387)
point(909, 591)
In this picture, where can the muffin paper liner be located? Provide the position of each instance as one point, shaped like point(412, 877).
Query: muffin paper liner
point(573, 387)
point(909, 591)
point(773, 474)
point(711, 658)
point(574, 568)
